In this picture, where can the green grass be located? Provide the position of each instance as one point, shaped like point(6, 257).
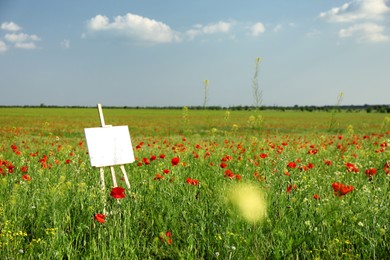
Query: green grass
point(170, 122)
point(52, 215)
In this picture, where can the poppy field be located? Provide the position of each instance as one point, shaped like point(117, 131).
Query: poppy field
point(205, 185)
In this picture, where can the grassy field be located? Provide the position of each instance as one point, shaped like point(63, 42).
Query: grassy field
point(205, 185)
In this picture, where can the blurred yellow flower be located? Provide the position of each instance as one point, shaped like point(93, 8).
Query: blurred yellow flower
point(249, 200)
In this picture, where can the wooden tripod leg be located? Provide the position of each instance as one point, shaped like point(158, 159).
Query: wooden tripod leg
point(125, 176)
point(113, 176)
point(102, 177)
point(101, 169)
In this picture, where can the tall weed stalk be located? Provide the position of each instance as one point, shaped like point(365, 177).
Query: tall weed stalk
point(336, 109)
point(256, 120)
point(205, 92)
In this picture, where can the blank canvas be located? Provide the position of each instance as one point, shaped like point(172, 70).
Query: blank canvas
point(109, 146)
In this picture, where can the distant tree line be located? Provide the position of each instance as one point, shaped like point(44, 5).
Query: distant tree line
point(347, 108)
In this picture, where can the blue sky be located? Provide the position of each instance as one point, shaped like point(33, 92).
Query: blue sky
point(158, 53)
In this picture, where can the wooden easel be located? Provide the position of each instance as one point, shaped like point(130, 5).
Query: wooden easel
point(101, 169)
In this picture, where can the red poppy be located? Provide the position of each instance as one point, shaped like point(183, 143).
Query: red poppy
point(291, 165)
point(303, 168)
point(316, 196)
point(328, 162)
point(263, 155)
point(100, 218)
point(158, 177)
point(351, 167)
point(162, 156)
point(153, 157)
point(43, 161)
point(11, 168)
point(370, 172)
point(118, 193)
point(166, 171)
point(26, 177)
point(14, 147)
point(227, 158)
point(341, 189)
point(68, 161)
point(386, 168)
point(290, 187)
point(229, 174)
point(223, 165)
point(336, 186)
point(345, 189)
point(167, 237)
point(192, 182)
point(24, 169)
point(145, 161)
point(175, 161)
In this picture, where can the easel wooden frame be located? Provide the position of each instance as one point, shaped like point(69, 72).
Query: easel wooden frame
point(101, 169)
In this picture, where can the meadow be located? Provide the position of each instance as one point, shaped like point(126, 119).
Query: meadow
point(205, 185)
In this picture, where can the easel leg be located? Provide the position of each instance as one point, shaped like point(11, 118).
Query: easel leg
point(125, 176)
point(102, 177)
point(113, 176)
point(101, 169)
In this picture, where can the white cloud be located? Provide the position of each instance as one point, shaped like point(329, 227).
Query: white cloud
point(196, 30)
point(3, 47)
point(357, 10)
point(278, 28)
point(20, 37)
point(134, 26)
point(257, 29)
point(25, 45)
point(366, 32)
point(212, 28)
point(368, 12)
point(10, 26)
point(18, 40)
point(99, 22)
point(220, 27)
point(65, 44)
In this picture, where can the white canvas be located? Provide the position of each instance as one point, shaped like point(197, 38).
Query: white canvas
point(109, 146)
